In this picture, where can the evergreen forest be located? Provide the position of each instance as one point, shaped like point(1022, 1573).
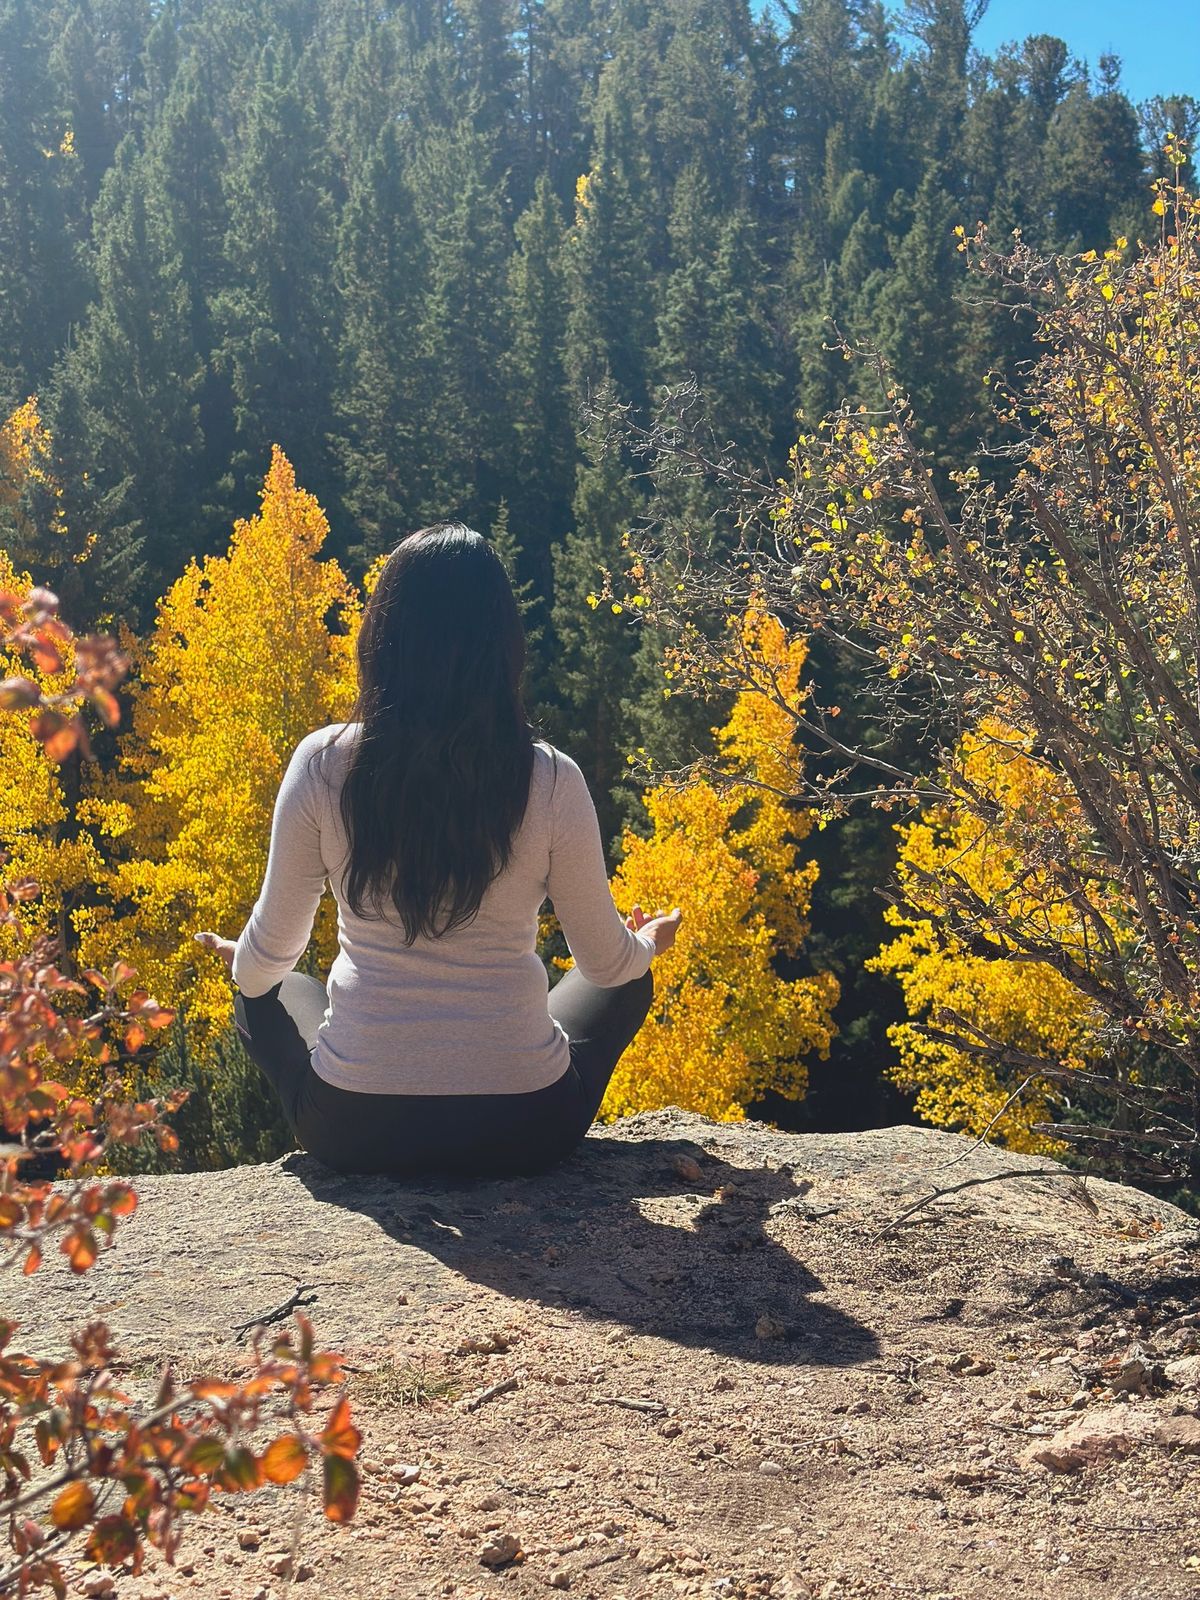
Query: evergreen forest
point(414, 245)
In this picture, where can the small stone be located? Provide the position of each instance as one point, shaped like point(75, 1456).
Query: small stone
point(490, 1343)
point(404, 1472)
point(1184, 1373)
point(859, 1408)
point(768, 1327)
point(1096, 1435)
point(500, 1551)
point(770, 1469)
point(559, 1580)
point(670, 1430)
point(968, 1366)
point(280, 1566)
point(1179, 1433)
point(99, 1588)
point(1135, 1373)
point(249, 1538)
point(687, 1168)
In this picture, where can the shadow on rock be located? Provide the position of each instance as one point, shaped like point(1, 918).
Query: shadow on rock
point(628, 1232)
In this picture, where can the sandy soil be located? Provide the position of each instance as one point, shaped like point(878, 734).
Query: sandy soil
point(719, 1375)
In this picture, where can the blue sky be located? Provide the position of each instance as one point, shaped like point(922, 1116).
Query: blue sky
point(1158, 41)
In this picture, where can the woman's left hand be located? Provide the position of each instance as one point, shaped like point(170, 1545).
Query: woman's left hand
point(221, 947)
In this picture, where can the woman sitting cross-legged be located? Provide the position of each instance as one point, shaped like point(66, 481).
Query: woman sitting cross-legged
point(442, 825)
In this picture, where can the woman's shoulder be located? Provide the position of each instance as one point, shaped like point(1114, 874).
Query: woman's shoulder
point(551, 763)
point(325, 749)
point(558, 777)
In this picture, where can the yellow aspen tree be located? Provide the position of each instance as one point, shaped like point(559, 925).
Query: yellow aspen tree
point(1027, 1005)
point(27, 462)
point(38, 835)
point(725, 1026)
point(242, 664)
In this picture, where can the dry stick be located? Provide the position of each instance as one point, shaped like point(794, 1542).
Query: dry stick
point(651, 1407)
point(982, 1139)
point(971, 1183)
point(505, 1386)
point(304, 1294)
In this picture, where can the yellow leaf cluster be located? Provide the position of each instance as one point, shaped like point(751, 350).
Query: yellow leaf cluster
point(25, 459)
point(242, 665)
point(1026, 1005)
point(37, 829)
point(724, 1026)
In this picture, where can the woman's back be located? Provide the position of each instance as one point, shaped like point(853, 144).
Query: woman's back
point(463, 1013)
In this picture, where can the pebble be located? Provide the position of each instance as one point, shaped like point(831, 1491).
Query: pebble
point(770, 1469)
point(500, 1550)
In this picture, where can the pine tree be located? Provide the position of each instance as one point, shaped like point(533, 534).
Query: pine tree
point(41, 284)
point(80, 96)
point(122, 407)
point(277, 338)
point(389, 452)
point(184, 162)
point(538, 399)
point(1094, 184)
point(714, 323)
point(464, 320)
point(594, 646)
point(611, 317)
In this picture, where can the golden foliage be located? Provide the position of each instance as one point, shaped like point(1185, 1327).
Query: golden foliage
point(37, 832)
point(241, 666)
point(28, 463)
point(724, 1026)
point(1026, 1005)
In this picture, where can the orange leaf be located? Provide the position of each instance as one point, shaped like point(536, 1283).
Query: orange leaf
point(214, 1389)
point(33, 1260)
point(284, 1459)
point(46, 658)
point(341, 1488)
point(135, 1038)
point(73, 1508)
point(81, 1250)
point(107, 706)
point(341, 1437)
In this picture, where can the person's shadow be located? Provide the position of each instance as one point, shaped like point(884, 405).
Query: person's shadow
point(625, 1231)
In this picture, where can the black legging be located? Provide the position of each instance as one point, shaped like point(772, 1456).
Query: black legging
point(466, 1134)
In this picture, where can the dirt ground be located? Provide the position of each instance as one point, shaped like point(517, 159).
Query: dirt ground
point(715, 1372)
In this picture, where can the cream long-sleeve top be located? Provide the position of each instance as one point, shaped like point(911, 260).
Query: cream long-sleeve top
point(462, 1014)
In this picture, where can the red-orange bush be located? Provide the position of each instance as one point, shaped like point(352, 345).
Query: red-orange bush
point(116, 1474)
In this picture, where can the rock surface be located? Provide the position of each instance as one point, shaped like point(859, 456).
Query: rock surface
point(700, 1359)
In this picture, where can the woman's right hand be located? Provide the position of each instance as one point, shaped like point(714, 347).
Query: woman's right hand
point(661, 927)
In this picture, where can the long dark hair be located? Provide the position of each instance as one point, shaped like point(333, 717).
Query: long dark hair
point(439, 779)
